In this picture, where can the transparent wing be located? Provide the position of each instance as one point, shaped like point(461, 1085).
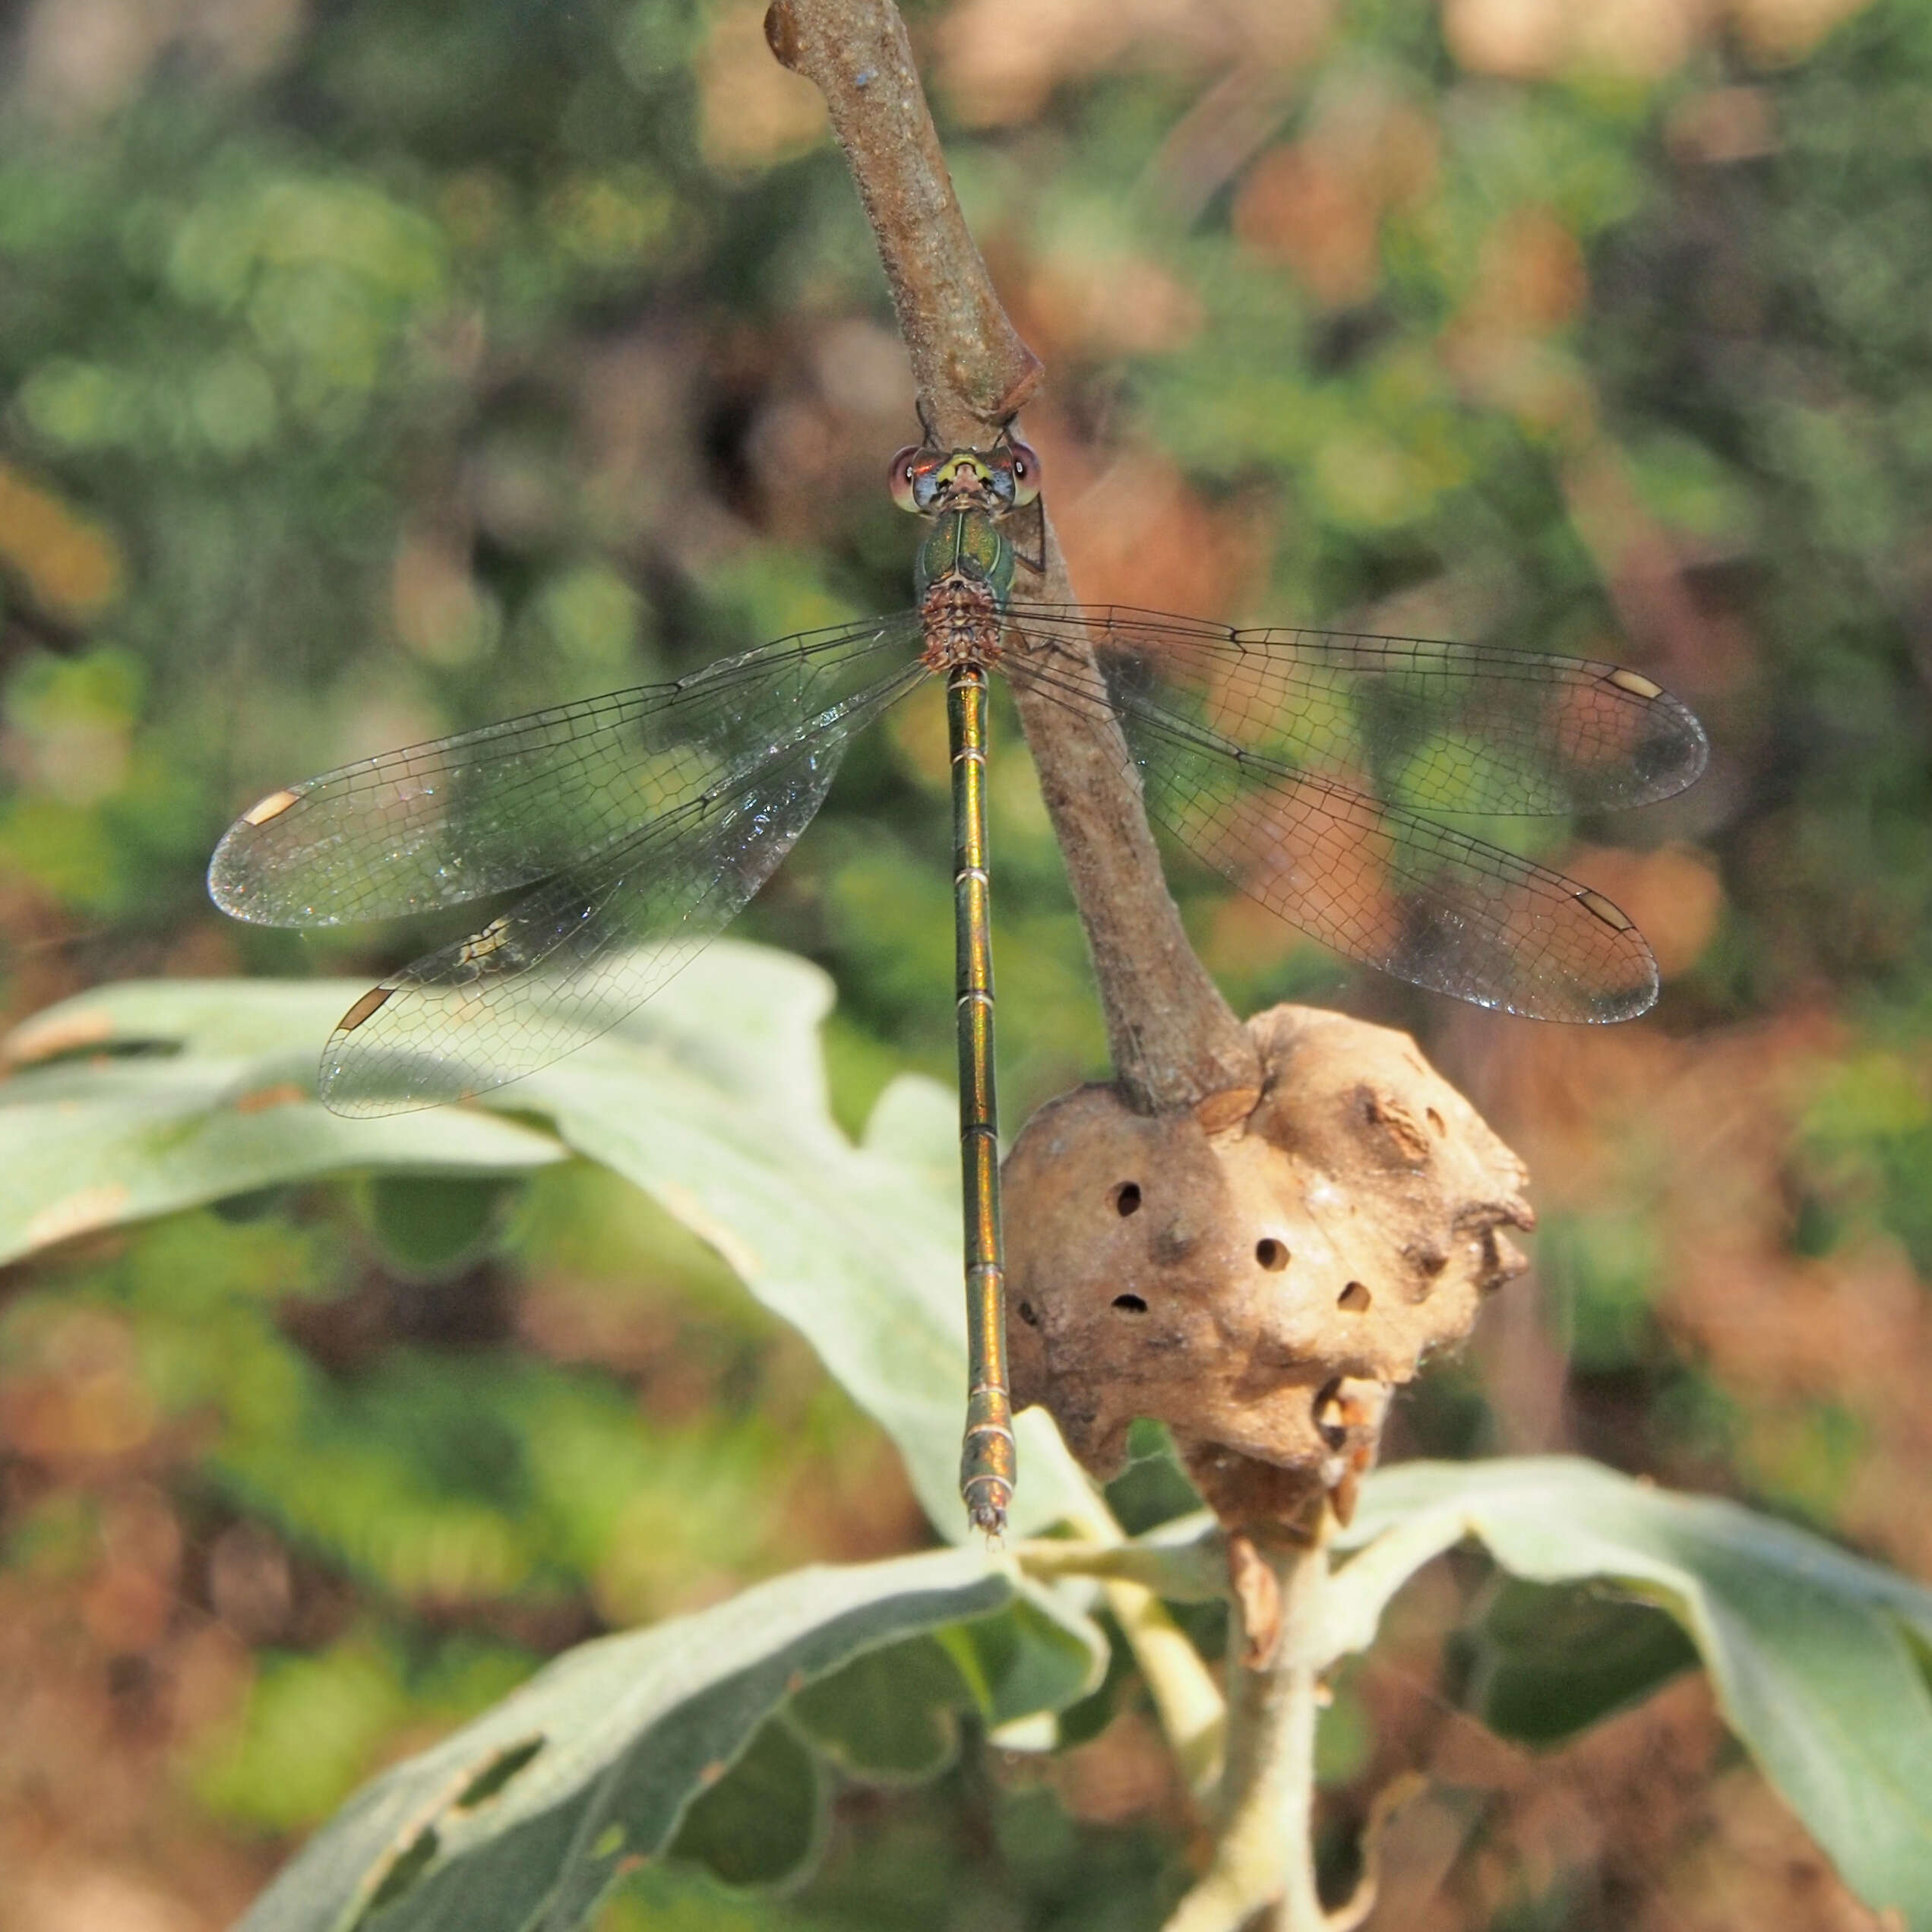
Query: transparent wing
point(593, 941)
point(1438, 727)
point(488, 811)
point(1375, 881)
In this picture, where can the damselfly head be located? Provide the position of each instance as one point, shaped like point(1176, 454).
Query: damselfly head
point(930, 481)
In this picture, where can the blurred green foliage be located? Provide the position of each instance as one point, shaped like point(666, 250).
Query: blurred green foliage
point(369, 372)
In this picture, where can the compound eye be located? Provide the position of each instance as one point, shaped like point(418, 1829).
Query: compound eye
point(905, 468)
point(1025, 472)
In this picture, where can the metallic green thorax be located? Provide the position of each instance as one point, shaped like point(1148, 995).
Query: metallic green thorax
point(969, 544)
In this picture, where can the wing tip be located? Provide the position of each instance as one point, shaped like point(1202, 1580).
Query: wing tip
point(1674, 759)
point(358, 1080)
point(1630, 1003)
point(349, 1093)
point(235, 872)
point(1699, 761)
point(1616, 996)
point(1578, 1007)
point(229, 872)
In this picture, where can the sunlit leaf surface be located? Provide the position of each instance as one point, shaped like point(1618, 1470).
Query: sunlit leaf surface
point(712, 1098)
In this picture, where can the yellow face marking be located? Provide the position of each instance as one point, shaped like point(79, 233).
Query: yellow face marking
point(1636, 683)
point(271, 807)
point(372, 1001)
point(961, 464)
point(1594, 902)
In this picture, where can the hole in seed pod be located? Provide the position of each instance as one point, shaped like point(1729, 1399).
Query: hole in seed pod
point(1272, 1254)
point(1027, 1315)
point(1435, 1121)
point(1126, 1198)
point(1355, 1298)
point(1130, 1304)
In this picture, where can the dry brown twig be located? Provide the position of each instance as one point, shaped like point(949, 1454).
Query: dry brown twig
point(1153, 1223)
point(1172, 1036)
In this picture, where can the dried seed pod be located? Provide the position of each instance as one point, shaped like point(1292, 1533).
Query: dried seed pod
point(1258, 1273)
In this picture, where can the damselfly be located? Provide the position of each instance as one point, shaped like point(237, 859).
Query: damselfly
point(1310, 767)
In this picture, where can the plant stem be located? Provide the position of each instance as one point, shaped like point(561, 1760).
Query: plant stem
point(1174, 1040)
point(1264, 1857)
point(1193, 1714)
point(1195, 1571)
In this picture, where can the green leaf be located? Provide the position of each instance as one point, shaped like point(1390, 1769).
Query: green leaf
point(1552, 1660)
point(1037, 1660)
point(430, 1225)
point(198, 1091)
point(712, 1097)
point(889, 1715)
point(525, 1818)
point(762, 1823)
point(1817, 1659)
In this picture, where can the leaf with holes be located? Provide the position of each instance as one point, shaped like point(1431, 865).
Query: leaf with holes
point(662, 1741)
